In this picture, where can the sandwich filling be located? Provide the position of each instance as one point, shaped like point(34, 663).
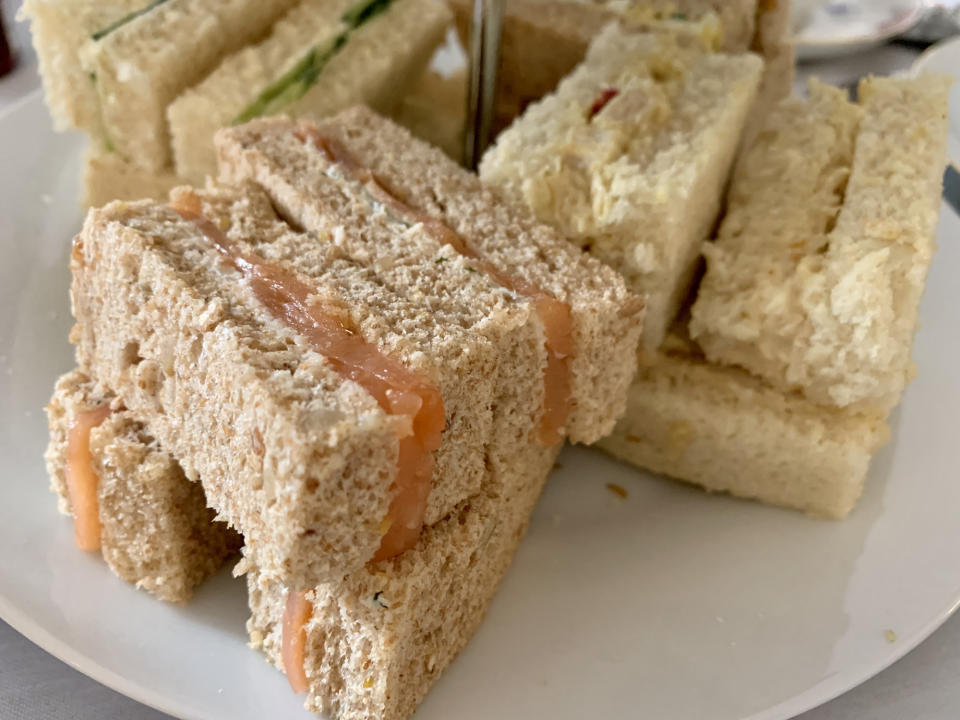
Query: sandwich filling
point(82, 480)
point(396, 389)
point(294, 84)
point(100, 34)
point(554, 315)
point(296, 615)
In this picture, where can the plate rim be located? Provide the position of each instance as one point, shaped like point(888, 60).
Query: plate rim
point(910, 18)
point(824, 691)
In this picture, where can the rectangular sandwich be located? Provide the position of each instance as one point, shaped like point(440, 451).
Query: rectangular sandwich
point(726, 431)
point(821, 296)
point(129, 499)
point(59, 28)
point(587, 319)
point(138, 63)
point(319, 58)
point(367, 647)
point(821, 258)
point(371, 646)
point(335, 389)
point(628, 159)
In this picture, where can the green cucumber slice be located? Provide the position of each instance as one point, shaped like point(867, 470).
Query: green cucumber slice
point(293, 84)
point(100, 34)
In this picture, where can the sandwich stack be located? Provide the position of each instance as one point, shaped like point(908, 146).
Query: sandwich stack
point(150, 82)
point(773, 377)
point(364, 362)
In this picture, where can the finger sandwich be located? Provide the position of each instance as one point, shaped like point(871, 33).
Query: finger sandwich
point(630, 156)
point(138, 64)
point(831, 284)
point(129, 499)
point(321, 57)
point(821, 297)
point(204, 318)
point(175, 303)
point(366, 647)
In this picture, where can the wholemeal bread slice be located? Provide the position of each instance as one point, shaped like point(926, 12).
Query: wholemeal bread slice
point(821, 295)
point(726, 431)
point(435, 110)
point(298, 459)
point(629, 157)
point(59, 28)
point(156, 529)
point(604, 317)
point(319, 58)
point(138, 65)
point(376, 642)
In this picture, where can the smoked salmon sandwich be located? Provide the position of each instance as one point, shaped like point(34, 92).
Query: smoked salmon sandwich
point(364, 362)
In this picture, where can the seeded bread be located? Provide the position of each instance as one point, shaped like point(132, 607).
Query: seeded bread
point(637, 181)
point(447, 345)
point(289, 516)
point(375, 66)
point(377, 641)
point(157, 531)
point(821, 296)
point(292, 456)
point(106, 177)
point(606, 317)
point(411, 262)
point(139, 67)
point(58, 29)
point(726, 431)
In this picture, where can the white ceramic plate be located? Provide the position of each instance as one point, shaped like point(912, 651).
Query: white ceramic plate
point(830, 28)
point(669, 604)
point(944, 57)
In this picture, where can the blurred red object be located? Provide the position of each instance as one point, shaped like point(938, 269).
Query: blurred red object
point(7, 59)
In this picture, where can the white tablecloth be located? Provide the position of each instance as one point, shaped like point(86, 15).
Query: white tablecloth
point(36, 686)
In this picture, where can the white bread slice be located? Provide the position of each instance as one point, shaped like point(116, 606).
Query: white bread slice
point(375, 66)
point(726, 431)
point(138, 68)
point(58, 29)
point(638, 183)
point(107, 176)
point(297, 459)
point(157, 531)
point(377, 641)
point(606, 317)
point(821, 296)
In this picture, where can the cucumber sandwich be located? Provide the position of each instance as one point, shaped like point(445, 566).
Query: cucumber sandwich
point(321, 57)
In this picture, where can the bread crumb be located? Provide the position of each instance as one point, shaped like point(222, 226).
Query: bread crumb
point(890, 636)
point(618, 490)
point(368, 683)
